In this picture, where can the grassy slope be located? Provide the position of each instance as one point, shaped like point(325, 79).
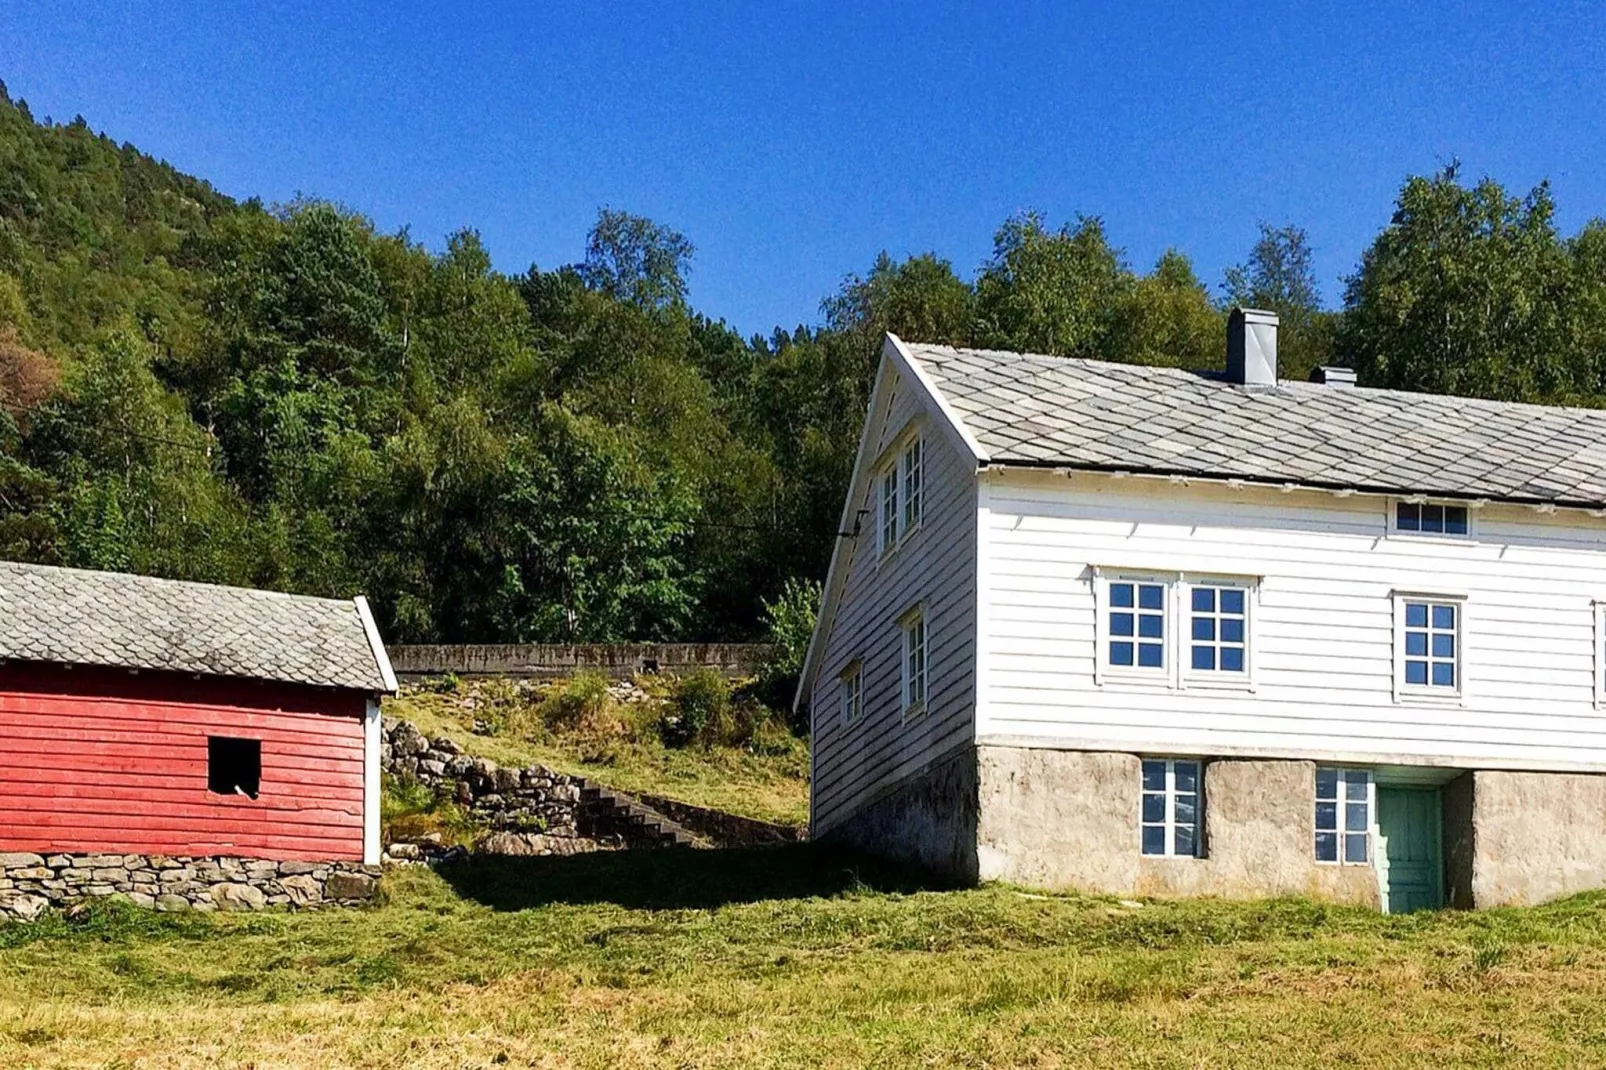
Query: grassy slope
point(794, 959)
point(768, 787)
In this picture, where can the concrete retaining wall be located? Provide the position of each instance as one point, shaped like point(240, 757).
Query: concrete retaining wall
point(618, 660)
point(1069, 820)
point(927, 820)
point(30, 883)
point(1534, 837)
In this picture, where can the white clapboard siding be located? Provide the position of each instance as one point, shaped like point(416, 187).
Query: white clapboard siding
point(1322, 627)
point(935, 565)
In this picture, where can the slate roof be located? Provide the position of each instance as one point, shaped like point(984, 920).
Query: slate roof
point(1056, 411)
point(75, 617)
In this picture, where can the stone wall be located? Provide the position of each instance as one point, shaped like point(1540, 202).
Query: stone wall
point(619, 660)
point(526, 811)
point(30, 883)
point(1069, 819)
point(927, 819)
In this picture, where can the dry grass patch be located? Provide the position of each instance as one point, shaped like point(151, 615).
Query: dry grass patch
point(798, 957)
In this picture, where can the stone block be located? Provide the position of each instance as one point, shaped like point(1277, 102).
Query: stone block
point(233, 896)
point(302, 889)
point(170, 903)
point(293, 869)
point(24, 907)
point(20, 860)
point(348, 885)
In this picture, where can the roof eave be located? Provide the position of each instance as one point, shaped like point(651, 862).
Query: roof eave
point(1291, 484)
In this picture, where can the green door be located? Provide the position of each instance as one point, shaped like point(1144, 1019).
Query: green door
point(1410, 856)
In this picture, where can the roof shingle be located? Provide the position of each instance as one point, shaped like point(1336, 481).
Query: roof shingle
point(76, 617)
point(1091, 414)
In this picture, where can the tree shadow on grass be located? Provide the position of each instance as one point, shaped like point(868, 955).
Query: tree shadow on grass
point(677, 878)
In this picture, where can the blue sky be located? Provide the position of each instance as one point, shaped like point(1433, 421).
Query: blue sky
point(792, 142)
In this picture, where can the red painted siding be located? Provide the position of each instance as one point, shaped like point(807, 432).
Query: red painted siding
point(102, 760)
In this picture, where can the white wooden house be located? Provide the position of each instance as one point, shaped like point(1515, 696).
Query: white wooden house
point(1149, 631)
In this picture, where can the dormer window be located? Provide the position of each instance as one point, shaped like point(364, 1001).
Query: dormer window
point(1431, 518)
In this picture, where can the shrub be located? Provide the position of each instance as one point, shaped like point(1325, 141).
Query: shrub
point(699, 709)
point(580, 704)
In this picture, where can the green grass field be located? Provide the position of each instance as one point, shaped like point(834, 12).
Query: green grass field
point(798, 957)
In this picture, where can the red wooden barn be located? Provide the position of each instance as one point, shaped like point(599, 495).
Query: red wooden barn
point(148, 716)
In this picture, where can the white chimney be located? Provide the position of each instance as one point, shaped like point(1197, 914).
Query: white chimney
point(1252, 347)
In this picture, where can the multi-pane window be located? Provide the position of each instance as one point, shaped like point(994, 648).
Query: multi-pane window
point(852, 693)
point(1171, 813)
point(1343, 816)
point(914, 663)
point(1431, 645)
point(913, 500)
point(1218, 629)
point(1137, 624)
point(887, 536)
point(1430, 518)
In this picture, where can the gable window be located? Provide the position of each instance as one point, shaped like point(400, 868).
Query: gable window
point(1171, 813)
point(1136, 625)
point(851, 689)
point(1431, 518)
point(1344, 816)
point(914, 663)
point(1218, 638)
point(1428, 644)
point(910, 464)
point(887, 530)
point(233, 766)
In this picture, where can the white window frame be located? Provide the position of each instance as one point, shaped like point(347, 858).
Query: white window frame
point(914, 673)
point(1165, 674)
point(1429, 693)
point(1216, 678)
point(850, 687)
point(887, 511)
point(1169, 796)
point(911, 470)
point(1420, 499)
point(1599, 608)
point(1341, 804)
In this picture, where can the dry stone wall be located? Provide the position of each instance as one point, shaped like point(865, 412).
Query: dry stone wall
point(30, 883)
point(526, 811)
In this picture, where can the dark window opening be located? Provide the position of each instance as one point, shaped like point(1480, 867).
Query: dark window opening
point(1431, 519)
point(233, 766)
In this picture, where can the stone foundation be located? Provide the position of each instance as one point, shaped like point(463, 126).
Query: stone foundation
point(1069, 820)
point(1532, 837)
point(926, 820)
point(30, 883)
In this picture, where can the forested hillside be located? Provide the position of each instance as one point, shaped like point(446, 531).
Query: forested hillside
point(282, 396)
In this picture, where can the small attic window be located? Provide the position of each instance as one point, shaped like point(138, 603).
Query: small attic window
point(233, 766)
point(1431, 518)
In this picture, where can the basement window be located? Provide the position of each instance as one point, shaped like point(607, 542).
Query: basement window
point(1171, 812)
point(1344, 816)
point(233, 766)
